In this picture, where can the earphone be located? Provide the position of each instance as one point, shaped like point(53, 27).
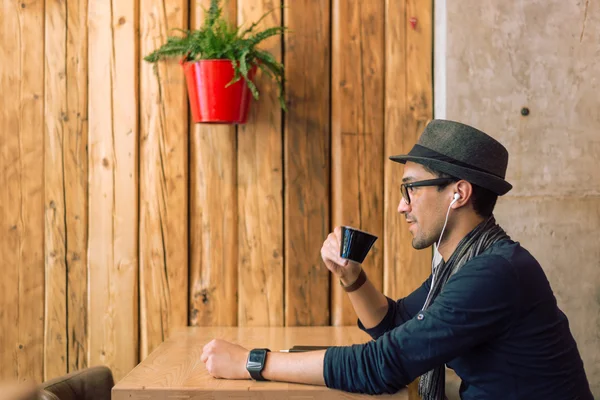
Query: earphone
point(455, 198)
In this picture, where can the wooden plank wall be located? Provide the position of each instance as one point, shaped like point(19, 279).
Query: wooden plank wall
point(307, 161)
point(22, 191)
point(260, 190)
point(409, 106)
point(213, 213)
point(113, 203)
point(357, 99)
point(120, 220)
point(163, 185)
point(66, 186)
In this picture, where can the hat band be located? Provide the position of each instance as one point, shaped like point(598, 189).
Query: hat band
point(424, 152)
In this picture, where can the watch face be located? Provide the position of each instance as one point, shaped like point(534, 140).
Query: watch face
point(257, 358)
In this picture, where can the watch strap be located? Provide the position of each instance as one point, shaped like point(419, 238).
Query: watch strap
point(256, 375)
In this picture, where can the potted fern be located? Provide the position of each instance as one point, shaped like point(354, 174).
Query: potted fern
point(220, 61)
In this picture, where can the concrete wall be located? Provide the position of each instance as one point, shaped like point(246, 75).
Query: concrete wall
point(492, 59)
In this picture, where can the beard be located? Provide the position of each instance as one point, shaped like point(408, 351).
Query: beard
point(423, 241)
point(426, 236)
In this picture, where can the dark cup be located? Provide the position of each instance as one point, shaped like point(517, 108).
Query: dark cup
point(356, 244)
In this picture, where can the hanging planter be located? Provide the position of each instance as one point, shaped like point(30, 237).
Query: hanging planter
point(219, 62)
point(212, 99)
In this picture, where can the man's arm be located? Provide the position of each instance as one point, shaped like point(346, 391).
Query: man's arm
point(477, 304)
point(228, 360)
point(399, 311)
point(308, 367)
point(377, 313)
point(369, 303)
point(303, 367)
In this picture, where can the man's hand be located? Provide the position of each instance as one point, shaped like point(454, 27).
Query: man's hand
point(345, 270)
point(225, 360)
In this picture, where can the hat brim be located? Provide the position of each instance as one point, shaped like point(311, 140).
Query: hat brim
point(479, 178)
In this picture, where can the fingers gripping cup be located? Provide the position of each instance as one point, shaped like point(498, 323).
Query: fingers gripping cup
point(356, 244)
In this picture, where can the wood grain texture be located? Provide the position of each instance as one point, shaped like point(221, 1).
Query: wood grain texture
point(108, 198)
point(22, 194)
point(213, 213)
point(307, 156)
point(173, 371)
point(408, 110)
point(163, 179)
point(55, 302)
point(113, 266)
point(76, 180)
point(357, 133)
point(66, 187)
point(260, 190)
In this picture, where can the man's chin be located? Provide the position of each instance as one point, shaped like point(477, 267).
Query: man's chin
point(419, 244)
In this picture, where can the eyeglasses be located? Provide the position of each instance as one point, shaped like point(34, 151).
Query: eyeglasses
point(429, 182)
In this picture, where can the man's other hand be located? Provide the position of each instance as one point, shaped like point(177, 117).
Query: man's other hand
point(225, 360)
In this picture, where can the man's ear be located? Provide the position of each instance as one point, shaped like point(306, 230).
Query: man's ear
point(464, 189)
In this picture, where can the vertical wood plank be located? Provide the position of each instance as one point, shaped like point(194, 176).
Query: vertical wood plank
point(307, 153)
point(113, 275)
point(66, 187)
point(163, 178)
point(22, 194)
point(260, 185)
point(76, 180)
point(357, 133)
point(408, 109)
point(213, 212)
point(55, 332)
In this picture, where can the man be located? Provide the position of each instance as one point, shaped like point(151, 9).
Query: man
point(487, 311)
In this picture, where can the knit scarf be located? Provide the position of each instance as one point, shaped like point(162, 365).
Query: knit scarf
point(432, 383)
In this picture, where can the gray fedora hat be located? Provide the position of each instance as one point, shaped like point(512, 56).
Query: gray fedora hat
point(463, 152)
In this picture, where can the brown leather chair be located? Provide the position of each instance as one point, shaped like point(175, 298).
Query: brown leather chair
point(88, 384)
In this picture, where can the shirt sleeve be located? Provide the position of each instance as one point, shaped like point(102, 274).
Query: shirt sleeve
point(476, 304)
point(399, 311)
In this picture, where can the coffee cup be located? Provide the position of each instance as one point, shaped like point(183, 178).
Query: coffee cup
point(356, 244)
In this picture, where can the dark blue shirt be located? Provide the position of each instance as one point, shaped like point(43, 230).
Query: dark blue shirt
point(496, 323)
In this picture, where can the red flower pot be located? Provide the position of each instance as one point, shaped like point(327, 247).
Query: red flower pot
point(210, 100)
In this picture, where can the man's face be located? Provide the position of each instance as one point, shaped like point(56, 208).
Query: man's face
point(426, 212)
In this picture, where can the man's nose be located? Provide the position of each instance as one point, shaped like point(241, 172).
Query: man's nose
point(403, 207)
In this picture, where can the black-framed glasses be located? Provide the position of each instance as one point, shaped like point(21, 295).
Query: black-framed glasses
point(429, 182)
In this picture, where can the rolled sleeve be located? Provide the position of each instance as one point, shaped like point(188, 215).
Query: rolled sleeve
point(361, 369)
point(476, 304)
point(399, 311)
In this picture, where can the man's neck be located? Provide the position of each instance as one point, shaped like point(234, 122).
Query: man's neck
point(461, 228)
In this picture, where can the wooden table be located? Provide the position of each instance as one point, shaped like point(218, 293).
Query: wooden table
point(174, 370)
point(19, 391)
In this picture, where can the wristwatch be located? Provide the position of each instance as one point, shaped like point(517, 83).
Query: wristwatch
point(256, 363)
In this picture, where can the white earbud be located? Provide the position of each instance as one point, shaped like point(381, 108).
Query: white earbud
point(455, 198)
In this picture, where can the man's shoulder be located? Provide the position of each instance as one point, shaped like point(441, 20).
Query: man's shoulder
point(509, 250)
point(503, 258)
point(506, 259)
